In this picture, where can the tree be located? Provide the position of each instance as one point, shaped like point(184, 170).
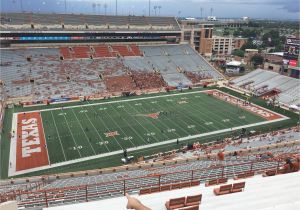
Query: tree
point(257, 60)
point(226, 32)
point(239, 53)
point(273, 39)
point(249, 45)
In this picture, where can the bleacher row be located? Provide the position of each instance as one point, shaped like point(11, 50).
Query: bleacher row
point(100, 51)
point(87, 187)
point(24, 21)
point(39, 73)
point(261, 82)
point(82, 193)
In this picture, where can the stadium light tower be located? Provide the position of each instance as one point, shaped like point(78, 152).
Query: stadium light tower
point(159, 7)
point(94, 7)
point(65, 6)
point(105, 8)
point(155, 7)
point(21, 5)
point(116, 7)
point(99, 8)
point(149, 7)
point(179, 12)
point(201, 11)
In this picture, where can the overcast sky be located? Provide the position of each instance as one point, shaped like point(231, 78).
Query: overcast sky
point(270, 9)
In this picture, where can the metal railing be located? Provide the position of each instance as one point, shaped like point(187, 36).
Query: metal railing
point(85, 193)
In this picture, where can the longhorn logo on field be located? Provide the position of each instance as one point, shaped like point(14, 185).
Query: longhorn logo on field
point(153, 115)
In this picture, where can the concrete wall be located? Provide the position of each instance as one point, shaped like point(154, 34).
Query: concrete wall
point(9, 205)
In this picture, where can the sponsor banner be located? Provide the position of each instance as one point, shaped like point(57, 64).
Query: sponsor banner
point(53, 100)
point(31, 145)
point(293, 63)
point(260, 111)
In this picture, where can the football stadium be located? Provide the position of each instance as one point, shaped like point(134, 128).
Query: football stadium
point(94, 108)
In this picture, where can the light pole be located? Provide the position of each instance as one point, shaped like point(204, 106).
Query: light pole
point(99, 8)
point(159, 7)
point(21, 4)
point(155, 7)
point(201, 11)
point(149, 8)
point(94, 7)
point(179, 12)
point(116, 7)
point(105, 8)
point(65, 6)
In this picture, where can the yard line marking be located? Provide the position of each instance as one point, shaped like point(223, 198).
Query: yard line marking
point(122, 100)
point(153, 125)
point(175, 123)
point(130, 126)
point(72, 135)
point(84, 131)
point(186, 138)
point(96, 130)
point(233, 119)
point(45, 138)
point(196, 122)
point(151, 97)
point(62, 148)
point(119, 127)
point(195, 108)
point(189, 119)
point(137, 122)
point(104, 126)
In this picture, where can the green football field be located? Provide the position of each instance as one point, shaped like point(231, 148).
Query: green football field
point(95, 129)
point(91, 134)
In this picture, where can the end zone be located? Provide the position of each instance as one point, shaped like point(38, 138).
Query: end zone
point(28, 144)
point(253, 108)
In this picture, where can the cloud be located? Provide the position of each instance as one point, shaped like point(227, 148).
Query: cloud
point(291, 6)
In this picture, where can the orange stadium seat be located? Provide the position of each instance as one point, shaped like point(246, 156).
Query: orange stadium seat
point(238, 187)
point(189, 208)
point(193, 200)
point(145, 191)
point(225, 189)
point(195, 183)
point(165, 188)
point(175, 203)
point(211, 182)
point(155, 189)
point(185, 184)
point(176, 186)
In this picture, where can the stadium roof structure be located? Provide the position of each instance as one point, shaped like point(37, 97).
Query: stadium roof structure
point(261, 193)
point(25, 21)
